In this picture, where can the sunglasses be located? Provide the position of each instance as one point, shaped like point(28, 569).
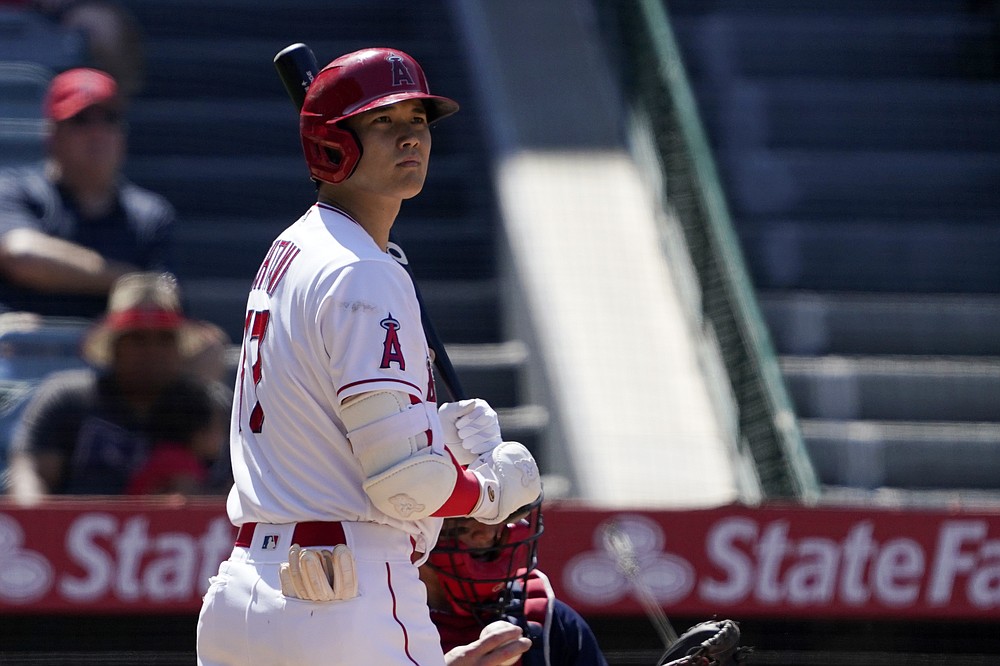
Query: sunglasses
point(96, 117)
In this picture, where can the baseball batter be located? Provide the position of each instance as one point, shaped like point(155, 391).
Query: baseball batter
point(343, 464)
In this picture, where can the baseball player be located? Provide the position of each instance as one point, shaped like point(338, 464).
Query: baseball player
point(344, 466)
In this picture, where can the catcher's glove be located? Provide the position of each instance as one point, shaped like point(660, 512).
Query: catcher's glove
point(712, 643)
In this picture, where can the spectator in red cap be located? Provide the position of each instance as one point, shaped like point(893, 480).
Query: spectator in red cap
point(74, 224)
point(86, 431)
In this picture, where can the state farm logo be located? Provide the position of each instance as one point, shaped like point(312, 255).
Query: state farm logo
point(796, 561)
point(24, 575)
point(628, 560)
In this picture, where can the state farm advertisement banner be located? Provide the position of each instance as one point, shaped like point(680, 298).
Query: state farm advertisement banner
point(788, 561)
point(116, 555)
point(111, 555)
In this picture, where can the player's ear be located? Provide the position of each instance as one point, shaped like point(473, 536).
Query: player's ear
point(335, 156)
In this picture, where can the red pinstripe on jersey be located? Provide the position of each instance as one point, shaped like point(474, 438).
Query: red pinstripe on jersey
point(379, 380)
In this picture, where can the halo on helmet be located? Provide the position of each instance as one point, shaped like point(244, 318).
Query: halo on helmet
point(483, 582)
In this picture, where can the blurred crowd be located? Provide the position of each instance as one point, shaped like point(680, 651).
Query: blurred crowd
point(131, 396)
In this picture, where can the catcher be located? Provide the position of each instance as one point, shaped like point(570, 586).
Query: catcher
point(479, 574)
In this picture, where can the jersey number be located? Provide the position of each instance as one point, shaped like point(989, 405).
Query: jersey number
point(256, 326)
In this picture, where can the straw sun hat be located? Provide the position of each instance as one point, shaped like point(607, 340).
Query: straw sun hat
point(145, 301)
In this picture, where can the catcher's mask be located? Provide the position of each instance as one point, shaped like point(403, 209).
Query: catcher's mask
point(352, 84)
point(479, 580)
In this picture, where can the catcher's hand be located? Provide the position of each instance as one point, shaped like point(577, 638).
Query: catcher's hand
point(712, 643)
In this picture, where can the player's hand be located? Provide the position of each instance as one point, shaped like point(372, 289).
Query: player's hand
point(509, 481)
point(500, 643)
point(313, 574)
point(470, 428)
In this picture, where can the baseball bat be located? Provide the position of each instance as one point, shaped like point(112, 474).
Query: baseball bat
point(619, 545)
point(297, 69)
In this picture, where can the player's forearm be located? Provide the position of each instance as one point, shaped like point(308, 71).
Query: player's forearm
point(44, 263)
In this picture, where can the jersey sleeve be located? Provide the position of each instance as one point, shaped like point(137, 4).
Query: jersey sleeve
point(152, 219)
point(372, 331)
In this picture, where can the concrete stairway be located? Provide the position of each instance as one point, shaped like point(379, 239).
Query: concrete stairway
point(857, 142)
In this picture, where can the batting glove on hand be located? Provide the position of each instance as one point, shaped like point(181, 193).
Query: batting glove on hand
point(319, 574)
point(470, 428)
point(509, 481)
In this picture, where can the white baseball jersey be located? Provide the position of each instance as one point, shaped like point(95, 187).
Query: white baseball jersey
point(329, 315)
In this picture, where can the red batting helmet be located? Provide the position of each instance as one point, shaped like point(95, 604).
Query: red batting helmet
point(480, 581)
point(352, 84)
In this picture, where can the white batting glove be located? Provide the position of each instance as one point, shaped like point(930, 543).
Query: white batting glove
point(470, 428)
point(509, 481)
point(314, 574)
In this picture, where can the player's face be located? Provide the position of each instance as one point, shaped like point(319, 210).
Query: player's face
point(396, 145)
point(471, 533)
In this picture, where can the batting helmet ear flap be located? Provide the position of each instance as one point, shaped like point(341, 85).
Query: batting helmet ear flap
point(332, 152)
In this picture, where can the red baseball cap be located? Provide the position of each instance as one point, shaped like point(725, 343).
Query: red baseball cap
point(78, 89)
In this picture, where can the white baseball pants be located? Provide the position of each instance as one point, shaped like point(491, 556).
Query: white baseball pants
point(245, 620)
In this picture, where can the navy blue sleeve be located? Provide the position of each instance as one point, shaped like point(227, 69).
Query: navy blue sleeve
point(571, 642)
point(151, 219)
point(15, 202)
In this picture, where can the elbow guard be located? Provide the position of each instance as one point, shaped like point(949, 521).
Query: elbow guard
point(405, 478)
point(414, 488)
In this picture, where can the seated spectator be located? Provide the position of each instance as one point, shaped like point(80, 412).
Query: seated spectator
point(85, 431)
point(478, 574)
point(73, 225)
point(188, 428)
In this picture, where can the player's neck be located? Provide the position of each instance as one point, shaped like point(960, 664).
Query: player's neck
point(376, 215)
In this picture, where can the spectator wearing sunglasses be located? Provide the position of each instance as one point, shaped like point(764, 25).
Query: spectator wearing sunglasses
point(72, 225)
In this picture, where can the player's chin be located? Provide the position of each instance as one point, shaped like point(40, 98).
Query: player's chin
point(411, 187)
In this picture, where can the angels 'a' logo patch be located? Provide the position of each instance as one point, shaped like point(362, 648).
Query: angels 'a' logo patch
point(392, 351)
point(400, 73)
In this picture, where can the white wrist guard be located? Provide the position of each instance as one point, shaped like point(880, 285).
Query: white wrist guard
point(509, 479)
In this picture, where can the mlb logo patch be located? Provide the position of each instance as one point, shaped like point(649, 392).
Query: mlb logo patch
point(270, 542)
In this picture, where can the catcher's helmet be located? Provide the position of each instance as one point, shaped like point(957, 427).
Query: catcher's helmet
point(480, 581)
point(352, 84)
